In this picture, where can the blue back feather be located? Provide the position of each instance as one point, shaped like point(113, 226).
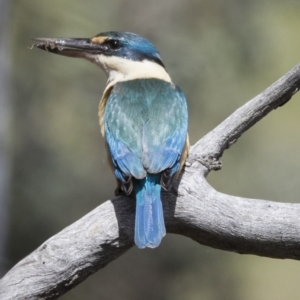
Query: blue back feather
point(146, 127)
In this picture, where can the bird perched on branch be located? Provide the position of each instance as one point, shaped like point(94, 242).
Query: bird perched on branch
point(143, 117)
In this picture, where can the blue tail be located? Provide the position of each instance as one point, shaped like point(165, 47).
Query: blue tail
point(149, 216)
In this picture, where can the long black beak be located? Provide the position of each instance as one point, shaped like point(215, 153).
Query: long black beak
point(72, 47)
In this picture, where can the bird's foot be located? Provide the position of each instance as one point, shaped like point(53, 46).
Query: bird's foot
point(119, 191)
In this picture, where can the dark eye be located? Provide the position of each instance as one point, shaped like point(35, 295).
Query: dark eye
point(114, 44)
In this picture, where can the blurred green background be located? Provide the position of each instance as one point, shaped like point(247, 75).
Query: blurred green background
point(221, 53)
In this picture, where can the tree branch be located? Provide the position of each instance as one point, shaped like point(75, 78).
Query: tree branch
point(192, 208)
point(212, 145)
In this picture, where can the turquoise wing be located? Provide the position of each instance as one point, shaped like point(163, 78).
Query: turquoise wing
point(166, 130)
point(145, 127)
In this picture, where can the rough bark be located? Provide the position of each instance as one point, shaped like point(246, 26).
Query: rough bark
point(192, 208)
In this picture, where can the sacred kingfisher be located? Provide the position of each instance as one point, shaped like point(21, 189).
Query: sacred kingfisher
point(143, 117)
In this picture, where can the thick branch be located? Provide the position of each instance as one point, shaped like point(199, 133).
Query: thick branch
point(198, 211)
point(211, 218)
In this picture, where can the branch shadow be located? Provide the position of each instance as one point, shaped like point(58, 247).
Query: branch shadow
point(125, 206)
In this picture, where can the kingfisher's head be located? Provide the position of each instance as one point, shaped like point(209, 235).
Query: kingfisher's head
point(122, 55)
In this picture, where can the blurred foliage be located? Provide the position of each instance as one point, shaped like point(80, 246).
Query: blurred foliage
point(221, 53)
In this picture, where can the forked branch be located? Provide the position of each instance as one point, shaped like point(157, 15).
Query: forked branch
point(192, 208)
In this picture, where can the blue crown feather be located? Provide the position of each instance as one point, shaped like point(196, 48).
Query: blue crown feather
point(134, 46)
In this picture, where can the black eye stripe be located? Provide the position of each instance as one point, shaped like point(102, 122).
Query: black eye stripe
point(113, 44)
